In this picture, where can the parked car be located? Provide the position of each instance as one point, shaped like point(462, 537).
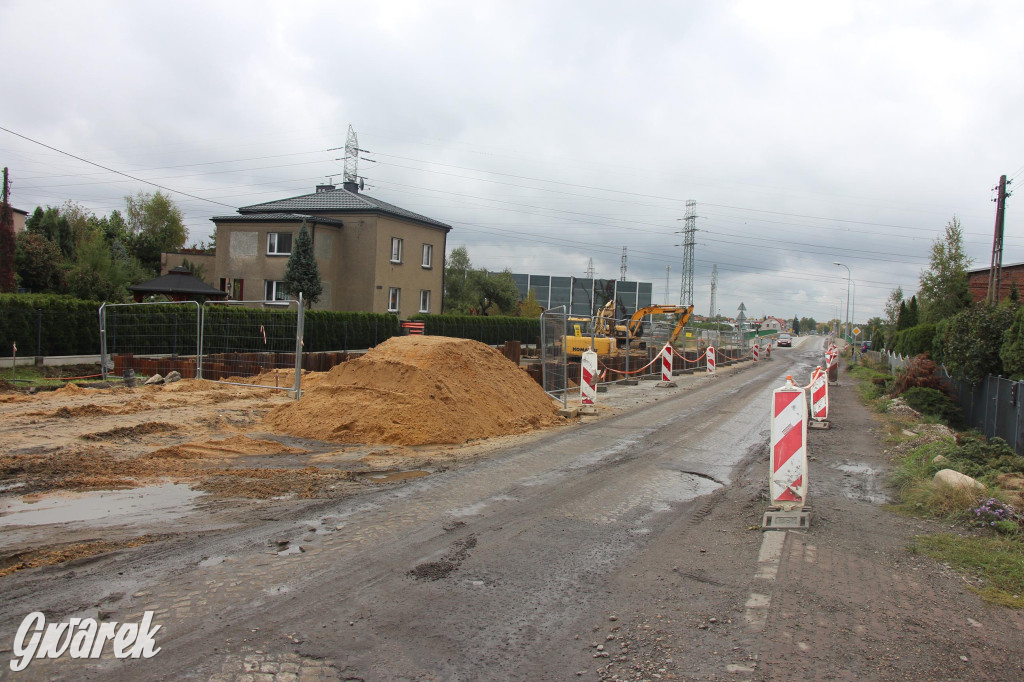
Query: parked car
point(785, 340)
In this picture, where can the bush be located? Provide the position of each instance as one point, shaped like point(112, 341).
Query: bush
point(973, 339)
point(1012, 350)
point(921, 372)
point(935, 403)
point(915, 341)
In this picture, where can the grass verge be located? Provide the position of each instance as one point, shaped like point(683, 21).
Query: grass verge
point(997, 562)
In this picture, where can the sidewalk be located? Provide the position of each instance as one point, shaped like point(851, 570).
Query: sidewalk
point(850, 603)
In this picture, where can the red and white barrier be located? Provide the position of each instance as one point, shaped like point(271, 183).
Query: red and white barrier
point(666, 363)
point(588, 378)
point(788, 479)
point(757, 352)
point(711, 359)
point(819, 395)
point(768, 349)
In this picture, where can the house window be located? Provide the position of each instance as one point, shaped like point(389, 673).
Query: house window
point(279, 244)
point(424, 300)
point(396, 250)
point(394, 299)
point(275, 291)
point(428, 255)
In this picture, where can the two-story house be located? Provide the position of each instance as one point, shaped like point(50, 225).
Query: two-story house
point(373, 256)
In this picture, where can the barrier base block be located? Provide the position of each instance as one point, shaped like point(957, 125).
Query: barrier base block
point(778, 519)
point(665, 384)
point(815, 424)
point(588, 409)
point(602, 389)
point(629, 382)
point(569, 412)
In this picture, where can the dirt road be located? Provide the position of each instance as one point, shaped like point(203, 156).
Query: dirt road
point(620, 549)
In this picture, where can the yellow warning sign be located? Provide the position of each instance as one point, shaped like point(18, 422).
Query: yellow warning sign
point(579, 332)
point(856, 331)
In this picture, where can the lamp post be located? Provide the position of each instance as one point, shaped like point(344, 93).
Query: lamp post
point(849, 278)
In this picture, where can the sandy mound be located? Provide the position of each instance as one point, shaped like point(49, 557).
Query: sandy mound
point(415, 390)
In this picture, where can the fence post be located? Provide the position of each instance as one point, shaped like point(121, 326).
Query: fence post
point(103, 340)
point(1018, 431)
point(200, 315)
point(299, 324)
point(39, 333)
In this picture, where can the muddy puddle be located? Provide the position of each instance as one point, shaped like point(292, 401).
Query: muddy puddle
point(137, 506)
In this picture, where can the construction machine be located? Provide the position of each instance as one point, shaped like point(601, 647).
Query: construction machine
point(609, 335)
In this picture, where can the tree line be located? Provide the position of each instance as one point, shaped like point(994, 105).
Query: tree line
point(970, 338)
point(70, 250)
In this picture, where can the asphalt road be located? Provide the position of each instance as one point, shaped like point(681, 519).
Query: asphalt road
point(494, 570)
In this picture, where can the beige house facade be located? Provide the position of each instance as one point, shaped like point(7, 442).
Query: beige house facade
point(373, 256)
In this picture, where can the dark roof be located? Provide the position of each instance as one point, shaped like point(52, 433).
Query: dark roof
point(276, 217)
point(338, 201)
point(178, 281)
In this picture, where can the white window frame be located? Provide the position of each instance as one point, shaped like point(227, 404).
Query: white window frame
point(428, 257)
point(394, 296)
point(424, 300)
point(270, 290)
point(272, 240)
point(396, 249)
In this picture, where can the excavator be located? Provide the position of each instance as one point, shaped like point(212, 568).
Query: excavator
point(608, 335)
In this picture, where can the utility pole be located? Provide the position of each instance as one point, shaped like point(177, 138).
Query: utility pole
point(668, 270)
point(995, 272)
point(689, 242)
point(7, 281)
point(622, 267)
point(590, 269)
point(714, 288)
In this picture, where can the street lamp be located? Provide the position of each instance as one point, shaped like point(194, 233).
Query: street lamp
point(849, 278)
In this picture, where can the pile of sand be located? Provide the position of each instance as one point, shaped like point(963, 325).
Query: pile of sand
point(416, 390)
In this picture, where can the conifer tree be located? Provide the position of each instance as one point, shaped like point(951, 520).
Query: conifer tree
point(303, 274)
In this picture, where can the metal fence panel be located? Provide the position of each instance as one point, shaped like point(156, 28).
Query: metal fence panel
point(149, 338)
point(554, 360)
point(242, 339)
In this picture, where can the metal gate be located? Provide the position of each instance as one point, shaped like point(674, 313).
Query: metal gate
point(554, 361)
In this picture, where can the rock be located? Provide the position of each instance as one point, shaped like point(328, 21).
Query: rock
point(172, 377)
point(155, 379)
point(954, 479)
point(940, 459)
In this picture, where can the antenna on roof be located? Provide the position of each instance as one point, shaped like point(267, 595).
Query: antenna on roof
point(351, 156)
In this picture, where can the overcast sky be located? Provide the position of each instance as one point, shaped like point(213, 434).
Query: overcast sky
point(550, 133)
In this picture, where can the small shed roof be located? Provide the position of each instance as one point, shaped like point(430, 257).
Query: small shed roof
point(178, 281)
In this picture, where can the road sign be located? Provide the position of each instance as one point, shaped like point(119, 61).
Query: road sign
point(856, 331)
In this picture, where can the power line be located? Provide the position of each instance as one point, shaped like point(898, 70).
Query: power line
point(111, 170)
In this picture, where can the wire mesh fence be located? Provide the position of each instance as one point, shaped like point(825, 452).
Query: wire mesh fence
point(149, 338)
point(261, 339)
point(48, 332)
point(553, 332)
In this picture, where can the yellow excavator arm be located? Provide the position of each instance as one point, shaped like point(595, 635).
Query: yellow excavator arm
point(684, 312)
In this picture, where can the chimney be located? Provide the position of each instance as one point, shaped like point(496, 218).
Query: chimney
point(351, 186)
point(324, 188)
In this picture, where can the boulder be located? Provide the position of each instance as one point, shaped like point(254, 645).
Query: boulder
point(155, 379)
point(940, 459)
point(954, 479)
point(172, 377)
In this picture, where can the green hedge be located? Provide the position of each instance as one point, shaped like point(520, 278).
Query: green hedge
point(915, 340)
point(329, 330)
point(491, 330)
point(45, 324)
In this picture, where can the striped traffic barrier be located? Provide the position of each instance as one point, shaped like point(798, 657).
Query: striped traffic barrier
point(588, 378)
point(787, 485)
point(757, 352)
point(819, 399)
point(666, 363)
point(711, 359)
